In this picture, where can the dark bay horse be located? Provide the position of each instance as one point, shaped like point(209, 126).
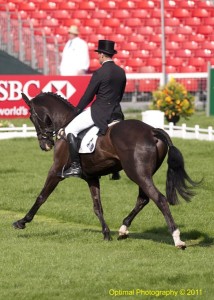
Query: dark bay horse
point(131, 145)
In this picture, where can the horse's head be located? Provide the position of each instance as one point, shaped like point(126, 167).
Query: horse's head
point(43, 124)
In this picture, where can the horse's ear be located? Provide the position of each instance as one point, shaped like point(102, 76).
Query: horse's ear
point(26, 99)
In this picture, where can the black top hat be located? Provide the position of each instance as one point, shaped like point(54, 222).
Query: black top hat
point(106, 46)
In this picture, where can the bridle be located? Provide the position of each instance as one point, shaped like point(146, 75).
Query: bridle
point(42, 134)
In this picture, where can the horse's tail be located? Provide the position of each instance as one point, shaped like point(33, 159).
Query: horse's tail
point(177, 181)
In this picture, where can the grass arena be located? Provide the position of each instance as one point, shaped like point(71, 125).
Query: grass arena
point(61, 254)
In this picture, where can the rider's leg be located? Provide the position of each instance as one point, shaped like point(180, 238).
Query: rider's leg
point(81, 122)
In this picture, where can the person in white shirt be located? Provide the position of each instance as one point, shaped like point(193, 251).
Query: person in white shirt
point(75, 55)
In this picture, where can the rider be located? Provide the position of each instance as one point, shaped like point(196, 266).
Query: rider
point(108, 85)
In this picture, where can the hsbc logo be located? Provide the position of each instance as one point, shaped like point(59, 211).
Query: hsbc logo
point(61, 87)
point(11, 89)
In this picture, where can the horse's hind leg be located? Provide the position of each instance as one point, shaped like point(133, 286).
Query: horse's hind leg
point(161, 202)
point(94, 186)
point(142, 200)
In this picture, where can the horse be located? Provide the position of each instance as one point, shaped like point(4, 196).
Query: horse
point(130, 145)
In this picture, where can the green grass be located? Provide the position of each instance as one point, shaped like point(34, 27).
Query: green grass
point(62, 255)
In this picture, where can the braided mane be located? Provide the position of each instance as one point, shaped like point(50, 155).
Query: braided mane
point(59, 97)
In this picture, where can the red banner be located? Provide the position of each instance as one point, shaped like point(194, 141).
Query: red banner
point(11, 87)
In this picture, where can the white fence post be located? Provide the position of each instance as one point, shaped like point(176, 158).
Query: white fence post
point(197, 132)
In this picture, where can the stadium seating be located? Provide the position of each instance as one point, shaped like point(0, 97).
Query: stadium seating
point(135, 26)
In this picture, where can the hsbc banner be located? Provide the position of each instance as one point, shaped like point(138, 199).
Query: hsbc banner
point(11, 86)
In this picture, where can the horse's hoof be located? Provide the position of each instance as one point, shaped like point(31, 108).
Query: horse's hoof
point(18, 225)
point(181, 246)
point(107, 237)
point(122, 237)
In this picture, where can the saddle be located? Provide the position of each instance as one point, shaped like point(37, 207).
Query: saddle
point(86, 139)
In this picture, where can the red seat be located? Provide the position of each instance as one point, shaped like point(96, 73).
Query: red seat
point(28, 6)
point(190, 45)
point(51, 22)
point(80, 14)
point(136, 38)
point(187, 69)
point(185, 29)
point(172, 22)
point(49, 6)
point(107, 5)
point(133, 22)
point(72, 21)
point(40, 14)
point(139, 13)
point(117, 37)
point(135, 63)
point(145, 30)
point(205, 29)
point(61, 14)
point(93, 38)
point(126, 4)
point(147, 69)
point(105, 30)
point(198, 63)
point(61, 30)
point(203, 53)
point(121, 14)
point(128, 69)
point(153, 22)
point(200, 12)
point(123, 55)
point(178, 37)
point(172, 45)
point(86, 31)
point(87, 5)
point(155, 13)
point(174, 61)
point(149, 45)
point(124, 30)
point(181, 13)
point(171, 69)
point(129, 46)
point(209, 21)
point(130, 86)
point(194, 21)
point(94, 23)
point(112, 22)
point(190, 84)
point(94, 65)
point(100, 14)
point(145, 4)
point(70, 5)
point(141, 53)
point(155, 62)
point(148, 85)
point(184, 53)
point(199, 38)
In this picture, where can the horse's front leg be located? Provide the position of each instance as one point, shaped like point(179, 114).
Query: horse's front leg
point(94, 186)
point(50, 184)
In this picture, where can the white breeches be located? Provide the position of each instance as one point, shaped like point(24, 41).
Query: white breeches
point(80, 122)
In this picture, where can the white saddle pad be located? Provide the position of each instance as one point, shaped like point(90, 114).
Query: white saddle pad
point(89, 141)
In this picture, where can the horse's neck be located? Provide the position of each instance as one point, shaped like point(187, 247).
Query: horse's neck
point(65, 115)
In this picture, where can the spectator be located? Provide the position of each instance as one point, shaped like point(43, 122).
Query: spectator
point(75, 55)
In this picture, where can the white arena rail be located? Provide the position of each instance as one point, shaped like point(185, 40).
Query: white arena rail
point(173, 131)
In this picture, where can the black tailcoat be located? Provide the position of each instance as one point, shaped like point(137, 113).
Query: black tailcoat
point(108, 85)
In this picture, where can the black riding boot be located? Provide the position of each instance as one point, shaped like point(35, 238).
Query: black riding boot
point(75, 168)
